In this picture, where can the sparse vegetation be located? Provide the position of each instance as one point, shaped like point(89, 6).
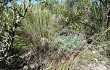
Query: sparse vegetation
point(54, 34)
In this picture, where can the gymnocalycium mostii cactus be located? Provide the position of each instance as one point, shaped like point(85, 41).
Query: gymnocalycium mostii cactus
point(69, 41)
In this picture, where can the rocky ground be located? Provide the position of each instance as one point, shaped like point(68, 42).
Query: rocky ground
point(96, 57)
point(88, 65)
point(93, 61)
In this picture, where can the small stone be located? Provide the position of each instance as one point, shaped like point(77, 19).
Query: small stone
point(32, 66)
point(25, 67)
point(96, 59)
point(94, 52)
point(103, 62)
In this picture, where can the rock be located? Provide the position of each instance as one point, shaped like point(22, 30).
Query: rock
point(91, 65)
point(44, 42)
point(100, 67)
point(25, 67)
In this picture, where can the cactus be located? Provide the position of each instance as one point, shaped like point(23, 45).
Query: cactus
point(69, 42)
